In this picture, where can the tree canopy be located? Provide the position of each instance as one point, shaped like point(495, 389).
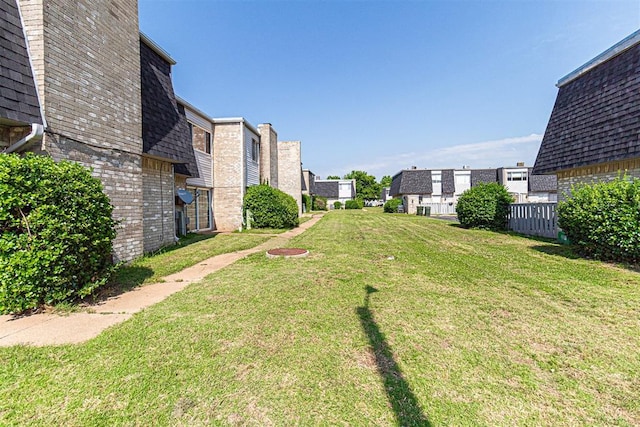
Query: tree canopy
point(385, 181)
point(367, 187)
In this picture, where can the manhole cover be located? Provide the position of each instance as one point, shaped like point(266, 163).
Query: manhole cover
point(287, 253)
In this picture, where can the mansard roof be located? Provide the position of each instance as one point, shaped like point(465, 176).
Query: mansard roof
point(19, 103)
point(596, 116)
point(165, 133)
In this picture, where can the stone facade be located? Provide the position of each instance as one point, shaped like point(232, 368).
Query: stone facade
point(268, 154)
point(290, 170)
point(598, 173)
point(86, 58)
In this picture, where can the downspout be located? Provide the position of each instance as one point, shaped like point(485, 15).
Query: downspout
point(243, 169)
point(37, 130)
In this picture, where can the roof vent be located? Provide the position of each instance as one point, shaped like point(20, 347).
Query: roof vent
point(414, 167)
point(520, 164)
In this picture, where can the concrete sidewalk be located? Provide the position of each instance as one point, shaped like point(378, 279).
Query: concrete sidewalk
point(52, 329)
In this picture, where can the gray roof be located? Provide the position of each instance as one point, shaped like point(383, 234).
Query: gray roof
point(596, 116)
point(483, 176)
point(448, 181)
point(411, 181)
point(18, 96)
point(543, 183)
point(165, 133)
point(328, 189)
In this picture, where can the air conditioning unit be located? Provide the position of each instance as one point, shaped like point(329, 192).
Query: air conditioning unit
point(181, 223)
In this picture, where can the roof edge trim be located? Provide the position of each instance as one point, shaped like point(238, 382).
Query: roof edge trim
point(156, 48)
point(614, 50)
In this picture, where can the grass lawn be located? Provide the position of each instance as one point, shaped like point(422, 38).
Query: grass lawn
point(191, 249)
point(392, 319)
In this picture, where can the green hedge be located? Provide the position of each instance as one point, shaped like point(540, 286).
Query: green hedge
point(270, 207)
point(353, 204)
point(337, 205)
point(603, 219)
point(56, 232)
point(391, 205)
point(308, 203)
point(484, 206)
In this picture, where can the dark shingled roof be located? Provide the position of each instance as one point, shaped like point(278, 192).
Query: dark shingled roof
point(18, 96)
point(411, 181)
point(596, 117)
point(448, 181)
point(483, 176)
point(543, 183)
point(328, 189)
point(165, 132)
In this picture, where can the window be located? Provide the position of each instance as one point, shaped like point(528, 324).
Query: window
point(207, 142)
point(200, 138)
point(516, 176)
point(255, 150)
point(436, 178)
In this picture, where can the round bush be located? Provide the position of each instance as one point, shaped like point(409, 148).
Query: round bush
point(391, 205)
point(270, 207)
point(319, 203)
point(603, 220)
point(57, 232)
point(337, 205)
point(353, 204)
point(484, 206)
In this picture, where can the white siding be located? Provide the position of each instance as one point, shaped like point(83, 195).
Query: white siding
point(252, 169)
point(205, 167)
point(198, 120)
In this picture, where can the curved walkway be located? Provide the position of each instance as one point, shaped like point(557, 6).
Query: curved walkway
point(54, 329)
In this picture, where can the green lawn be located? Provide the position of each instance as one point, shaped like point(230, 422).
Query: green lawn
point(392, 319)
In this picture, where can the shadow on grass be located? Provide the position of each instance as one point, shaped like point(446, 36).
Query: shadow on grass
point(564, 251)
point(403, 401)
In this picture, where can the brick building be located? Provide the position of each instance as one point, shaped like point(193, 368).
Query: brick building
point(89, 60)
point(80, 82)
point(592, 134)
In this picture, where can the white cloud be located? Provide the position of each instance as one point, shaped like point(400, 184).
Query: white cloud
point(487, 154)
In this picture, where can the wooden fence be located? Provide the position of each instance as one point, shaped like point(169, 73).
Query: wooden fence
point(534, 219)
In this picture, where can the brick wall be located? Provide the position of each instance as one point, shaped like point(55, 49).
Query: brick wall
point(268, 154)
point(228, 175)
point(87, 64)
point(598, 173)
point(121, 176)
point(289, 170)
point(158, 202)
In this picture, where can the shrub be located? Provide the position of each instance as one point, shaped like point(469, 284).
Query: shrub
point(319, 203)
point(353, 204)
point(337, 205)
point(603, 220)
point(391, 205)
point(270, 207)
point(484, 206)
point(306, 200)
point(56, 232)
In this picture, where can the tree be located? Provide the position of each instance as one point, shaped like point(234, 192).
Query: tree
point(367, 188)
point(333, 177)
point(385, 181)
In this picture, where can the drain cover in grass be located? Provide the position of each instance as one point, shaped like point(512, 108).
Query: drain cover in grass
point(287, 253)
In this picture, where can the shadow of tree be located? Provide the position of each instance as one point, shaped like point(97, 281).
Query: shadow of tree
point(564, 251)
point(404, 403)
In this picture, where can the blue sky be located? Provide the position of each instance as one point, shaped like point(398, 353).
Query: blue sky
point(385, 85)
